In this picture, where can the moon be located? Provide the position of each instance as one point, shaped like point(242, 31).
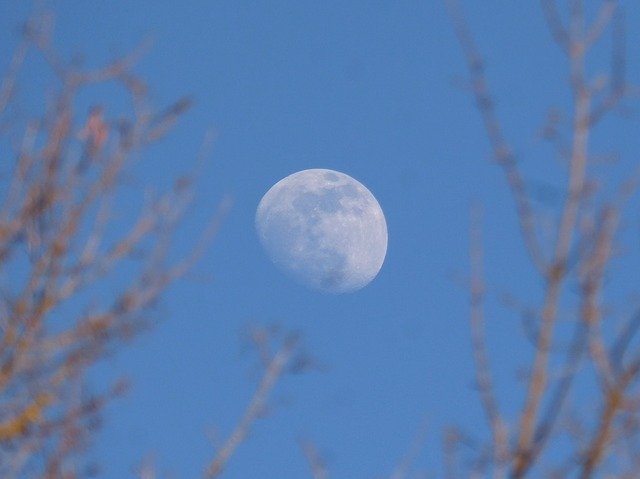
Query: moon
point(324, 229)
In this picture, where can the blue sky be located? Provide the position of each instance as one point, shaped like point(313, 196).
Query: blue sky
point(371, 89)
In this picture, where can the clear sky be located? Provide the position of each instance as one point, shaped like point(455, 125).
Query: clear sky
point(369, 88)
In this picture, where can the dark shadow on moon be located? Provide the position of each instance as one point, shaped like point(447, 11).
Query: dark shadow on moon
point(319, 267)
point(327, 201)
point(331, 177)
point(299, 249)
point(333, 280)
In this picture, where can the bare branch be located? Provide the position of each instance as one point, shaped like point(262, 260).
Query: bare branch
point(402, 469)
point(565, 234)
point(255, 408)
point(558, 31)
point(483, 370)
point(618, 88)
point(502, 152)
point(599, 25)
point(315, 461)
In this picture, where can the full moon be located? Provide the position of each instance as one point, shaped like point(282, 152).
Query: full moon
point(324, 229)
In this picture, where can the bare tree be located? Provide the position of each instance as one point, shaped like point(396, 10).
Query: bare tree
point(63, 239)
point(596, 434)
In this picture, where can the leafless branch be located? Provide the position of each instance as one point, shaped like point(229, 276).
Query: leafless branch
point(483, 369)
point(315, 461)
point(404, 466)
point(502, 152)
point(256, 407)
point(558, 30)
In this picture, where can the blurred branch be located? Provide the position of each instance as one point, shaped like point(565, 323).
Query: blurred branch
point(483, 369)
point(256, 408)
point(404, 466)
point(502, 152)
point(8, 83)
point(316, 463)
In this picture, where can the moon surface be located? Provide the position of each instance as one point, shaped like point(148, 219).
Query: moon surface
point(324, 229)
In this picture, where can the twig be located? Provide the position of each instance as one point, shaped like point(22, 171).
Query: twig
point(316, 463)
point(558, 31)
point(255, 408)
point(602, 21)
point(483, 369)
point(566, 230)
point(614, 401)
point(402, 469)
point(617, 86)
point(502, 152)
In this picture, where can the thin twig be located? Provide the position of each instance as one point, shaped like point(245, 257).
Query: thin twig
point(315, 461)
point(255, 408)
point(483, 369)
point(565, 234)
point(502, 152)
point(402, 469)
